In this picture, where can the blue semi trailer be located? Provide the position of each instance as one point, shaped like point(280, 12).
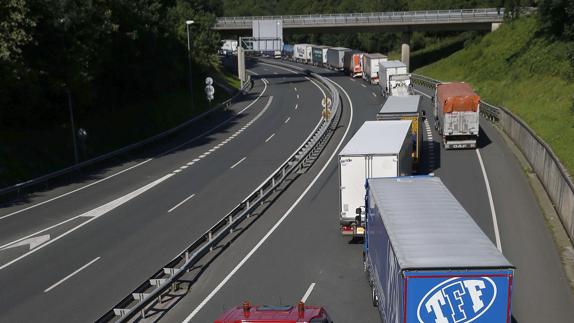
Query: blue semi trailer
point(426, 258)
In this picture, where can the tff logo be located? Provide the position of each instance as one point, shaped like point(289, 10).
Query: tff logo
point(457, 300)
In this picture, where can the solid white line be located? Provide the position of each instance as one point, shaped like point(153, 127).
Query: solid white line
point(491, 201)
point(180, 203)
point(269, 138)
point(74, 191)
point(268, 234)
point(239, 162)
point(308, 292)
point(143, 162)
point(92, 214)
point(70, 275)
point(296, 106)
point(287, 120)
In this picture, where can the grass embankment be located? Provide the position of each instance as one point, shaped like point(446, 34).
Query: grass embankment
point(29, 153)
point(519, 69)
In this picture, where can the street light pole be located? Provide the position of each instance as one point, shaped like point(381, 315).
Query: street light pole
point(71, 109)
point(187, 24)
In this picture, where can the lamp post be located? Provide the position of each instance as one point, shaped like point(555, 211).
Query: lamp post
point(187, 24)
point(72, 124)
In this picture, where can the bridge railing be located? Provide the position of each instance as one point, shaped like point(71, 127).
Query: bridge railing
point(150, 292)
point(551, 172)
point(474, 15)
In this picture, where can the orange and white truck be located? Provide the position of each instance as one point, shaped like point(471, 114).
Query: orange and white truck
point(352, 62)
point(456, 115)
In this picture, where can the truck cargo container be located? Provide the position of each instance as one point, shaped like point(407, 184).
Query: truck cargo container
point(371, 66)
point(228, 47)
point(287, 52)
point(456, 112)
point(393, 78)
point(352, 63)
point(302, 53)
point(405, 108)
point(427, 260)
point(325, 55)
point(335, 57)
point(378, 149)
point(317, 54)
point(275, 314)
point(270, 36)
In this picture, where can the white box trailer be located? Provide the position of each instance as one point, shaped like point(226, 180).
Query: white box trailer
point(378, 149)
point(371, 66)
point(302, 53)
point(271, 32)
point(335, 57)
point(393, 78)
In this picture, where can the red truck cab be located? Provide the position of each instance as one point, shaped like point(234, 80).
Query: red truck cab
point(275, 314)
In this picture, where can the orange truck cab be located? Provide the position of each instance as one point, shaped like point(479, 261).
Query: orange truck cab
point(275, 314)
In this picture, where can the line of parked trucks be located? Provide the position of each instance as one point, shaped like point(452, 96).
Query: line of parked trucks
point(426, 259)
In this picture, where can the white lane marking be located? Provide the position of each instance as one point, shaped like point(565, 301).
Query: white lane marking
point(92, 214)
point(352, 79)
point(297, 96)
point(176, 171)
point(287, 120)
point(268, 234)
point(190, 163)
point(308, 292)
point(33, 242)
point(180, 203)
point(212, 149)
point(143, 162)
point(70, 275)
point(491, 201)
point(195, 160)
point(374, 94)
point(296, 106)
point(76, 190)
point(239, 162)
point(301, 69)
point(184, 167)
point(363, 85)
point(269, 138)
point(295, 89)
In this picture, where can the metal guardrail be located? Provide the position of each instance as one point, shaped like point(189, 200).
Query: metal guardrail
point(551, 172)
point(401, 17)
point(135, 305)
point(106, 156)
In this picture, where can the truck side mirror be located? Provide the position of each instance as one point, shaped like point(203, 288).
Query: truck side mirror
point(424, 115)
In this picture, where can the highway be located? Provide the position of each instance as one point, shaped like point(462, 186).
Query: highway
point(117, 226)
point(295, 251)
point(70, 254)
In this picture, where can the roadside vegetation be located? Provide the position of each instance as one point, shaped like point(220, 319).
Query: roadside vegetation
point(123, 62)
point(526, 66)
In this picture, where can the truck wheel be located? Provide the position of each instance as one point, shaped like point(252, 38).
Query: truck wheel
point(374, 297)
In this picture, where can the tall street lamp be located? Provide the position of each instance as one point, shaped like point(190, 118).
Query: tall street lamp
point(187, 24)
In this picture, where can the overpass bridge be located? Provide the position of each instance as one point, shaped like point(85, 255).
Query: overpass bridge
point(403, 21)
point(431, 20)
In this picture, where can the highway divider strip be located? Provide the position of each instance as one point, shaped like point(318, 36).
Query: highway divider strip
point(144, 296)
point(554, 177)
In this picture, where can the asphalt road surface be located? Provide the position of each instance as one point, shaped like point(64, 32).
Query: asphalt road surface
point(295, 250)
point(70, 254)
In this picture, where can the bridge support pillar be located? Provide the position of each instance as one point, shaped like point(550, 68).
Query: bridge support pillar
point(241, 64)
point(495, 26)
point(406, 49)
